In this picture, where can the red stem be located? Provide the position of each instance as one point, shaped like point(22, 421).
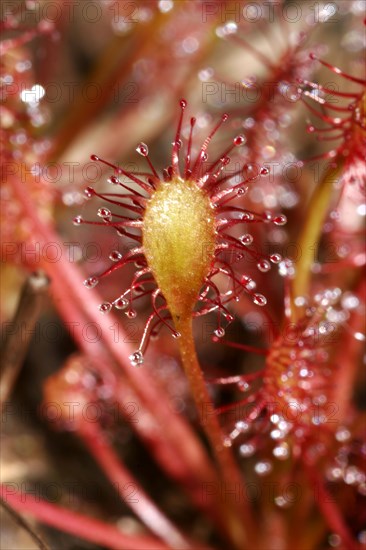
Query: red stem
point(128, 488)
point(330, 510)
point(77, 524)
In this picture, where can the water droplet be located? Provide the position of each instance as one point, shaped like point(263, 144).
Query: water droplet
point(246, 239)
point(120, 303)
point(178, 143)
point(89, 192)
point(312, 55)
point(115, 256)
point(91, 282)
point(94, 157)
point(78, 220)
point(131, 314)
point(239, 140)
point(204, 156)
point(183, 103)
point(105, 307)
point(176, 334)
point(229, 28)
point(264, 171)
point(228, 317)
point(142, 149)
point(224, 117)
point(342, 434)
point(334, 540)
point(242, 426)
point(247, 217)
point(259, 299)
point(104, 213)
point(263, 265)
point(281, 451)
point(262, 468)
point(350, 301)
point(219, 332)
point(248, 283)
point(247, 449)
point(275, 258)
point(241, 191)
point(136, 359)
point(243, 386)
point(280, 220)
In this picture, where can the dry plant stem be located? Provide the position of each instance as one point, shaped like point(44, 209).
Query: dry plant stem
point(175, 446)
point(17, 342)
point(311, 232)
point(237, 515)
point(124, 482)
point(77, 524)
point(24, 525)
point(332, 514)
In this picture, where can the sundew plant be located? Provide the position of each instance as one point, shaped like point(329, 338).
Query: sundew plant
point(183, 205)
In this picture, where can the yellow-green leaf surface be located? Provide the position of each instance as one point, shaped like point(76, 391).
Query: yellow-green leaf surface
point(179, 241)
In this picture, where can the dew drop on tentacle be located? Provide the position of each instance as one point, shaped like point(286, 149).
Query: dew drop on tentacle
point(176, 334)
point(120, 303)
point(259, 299)
point(239, 140)
point(115, 256)
point(114, 180)
point(247, 449)
point(275, 258)
point(91, 282)
point(263, 467)
point(178, 143)
point(280, 220)
point(248, 282)
point(136, 359)
point(104, 213)
point(246, 239)
point(242, 426)
point(142, 149)
point(219, 332)
point(105, 307)
point(89, 192)
point(94, 157)
point(131, 314)
point(243, 386)
point(263, 265)
point(78, 220)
